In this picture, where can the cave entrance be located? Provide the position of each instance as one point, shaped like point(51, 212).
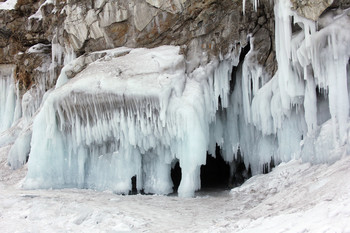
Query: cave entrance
point(176, 176)
point(133, 190)
point(215, 174)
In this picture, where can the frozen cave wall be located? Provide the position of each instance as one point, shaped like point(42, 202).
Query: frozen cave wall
point(93, 109)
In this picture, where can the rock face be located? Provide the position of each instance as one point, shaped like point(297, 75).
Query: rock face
point(215, 27)
point(311, 9)
point(212, 26)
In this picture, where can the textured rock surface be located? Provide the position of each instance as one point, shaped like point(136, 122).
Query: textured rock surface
point(311, 9)
point(214, 27)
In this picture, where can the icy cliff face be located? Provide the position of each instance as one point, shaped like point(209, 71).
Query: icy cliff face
point(122, 113)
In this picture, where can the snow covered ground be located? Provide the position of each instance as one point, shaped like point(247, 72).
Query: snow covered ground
point(294, 197)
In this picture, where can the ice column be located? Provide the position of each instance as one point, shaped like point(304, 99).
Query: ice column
point(8, 96)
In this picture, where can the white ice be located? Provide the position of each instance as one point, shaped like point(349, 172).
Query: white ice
point(8, 97)
point(124, 112)
point(8, 5)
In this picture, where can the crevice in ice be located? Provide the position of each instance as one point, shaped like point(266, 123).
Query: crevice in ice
point(295, 27)
point(267, 167)
point(133, 190)
point(244, 51)
point(176, 176)
point(323, 113)
point(239, 173)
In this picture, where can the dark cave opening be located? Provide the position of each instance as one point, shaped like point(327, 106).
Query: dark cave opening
point(133, 190)
point(245, 50)
point(215, 174)
point(176, 176)
point(240, 173)
point(267, 167)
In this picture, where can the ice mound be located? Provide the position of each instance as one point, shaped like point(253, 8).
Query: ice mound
point(121, 117)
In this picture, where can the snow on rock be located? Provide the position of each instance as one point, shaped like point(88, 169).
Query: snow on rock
point(38, 48)
point(8, 5)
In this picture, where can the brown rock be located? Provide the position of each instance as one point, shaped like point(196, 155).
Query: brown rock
point(118, 33)
point(311, 9)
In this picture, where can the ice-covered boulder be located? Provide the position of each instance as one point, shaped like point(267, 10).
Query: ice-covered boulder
point(120, 117)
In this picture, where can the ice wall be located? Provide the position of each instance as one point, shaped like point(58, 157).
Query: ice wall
point(29, 104)
point(314, 60)
point(295, 113)
point(45, 77)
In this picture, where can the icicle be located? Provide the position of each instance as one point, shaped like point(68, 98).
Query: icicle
point(8, 97)
point(255, 5)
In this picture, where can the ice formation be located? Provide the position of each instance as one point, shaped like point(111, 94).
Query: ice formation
point(30, 102)
point(8, 98)
point(99, 124)
point(136, 112)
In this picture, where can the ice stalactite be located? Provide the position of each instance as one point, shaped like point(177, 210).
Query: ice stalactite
point(8, 111)
point(44, 79)
point(30, 103)
point(319, 60)
point(254, 2)
point(57, 57)
point(286, 117)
